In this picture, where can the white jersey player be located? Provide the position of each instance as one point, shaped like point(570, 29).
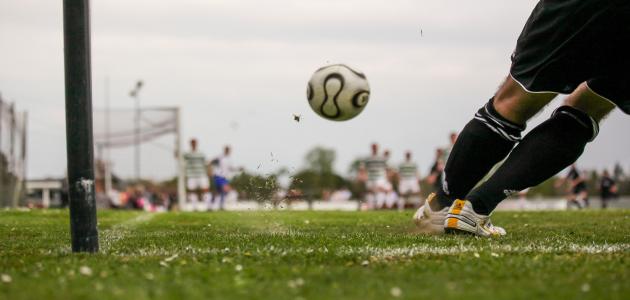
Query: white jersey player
point(409, 179)
point(197, 183)
point(377, 184)
point(222, 173)
point(408, 172)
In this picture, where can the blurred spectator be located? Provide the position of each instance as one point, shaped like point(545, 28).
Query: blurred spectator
point(435, 174)
point(607, 188)
point(408, 185)
point(577, 192)
point(391, 195)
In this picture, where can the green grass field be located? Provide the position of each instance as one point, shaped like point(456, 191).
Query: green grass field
point(314, 255)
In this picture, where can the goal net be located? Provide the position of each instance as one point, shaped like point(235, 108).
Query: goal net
point(132, 145)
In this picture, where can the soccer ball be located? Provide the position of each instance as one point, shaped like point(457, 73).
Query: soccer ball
point(338, 92)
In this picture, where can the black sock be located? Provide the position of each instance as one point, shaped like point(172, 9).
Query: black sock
point(545, 151)
point(483, 142)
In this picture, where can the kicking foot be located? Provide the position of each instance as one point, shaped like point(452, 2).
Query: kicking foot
point(428, 220)
point(461, 218)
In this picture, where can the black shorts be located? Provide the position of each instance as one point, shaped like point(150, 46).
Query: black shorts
point(567, 42)
point(580, 187)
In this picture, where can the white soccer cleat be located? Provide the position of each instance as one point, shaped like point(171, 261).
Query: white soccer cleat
point(461, 218)
point(428, 220)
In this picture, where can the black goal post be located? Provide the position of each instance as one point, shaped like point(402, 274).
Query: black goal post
point(80, 150)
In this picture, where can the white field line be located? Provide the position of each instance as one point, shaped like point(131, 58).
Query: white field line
point(460, 249)
point(110, 236)
point(385, 252)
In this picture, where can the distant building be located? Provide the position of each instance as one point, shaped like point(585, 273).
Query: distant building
point(46, 193)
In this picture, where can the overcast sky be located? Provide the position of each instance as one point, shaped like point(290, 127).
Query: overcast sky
point(238, 70)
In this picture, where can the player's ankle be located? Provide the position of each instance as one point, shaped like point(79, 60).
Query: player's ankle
point(441, 201)
point(479, 207)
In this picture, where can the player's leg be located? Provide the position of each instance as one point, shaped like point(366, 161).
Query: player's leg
point(224, 191)
point(370, 195)
point(404, 193)
point(394, 195)
point(484, 141)
point(584, 198)
point(400, 204)
point(411, 190)
point(380, 193)
point(487, 139)
point(190, 197)
point(193, 197)
point(392, 199)
point(563, 44)
point(572, 200)
point(221, 196)
point(370, 200)
point(546, 150)
point(206, 197)
point(380, 198)
point(214, 192)
point(191, 194)
point(220, 183)
point(571, 196)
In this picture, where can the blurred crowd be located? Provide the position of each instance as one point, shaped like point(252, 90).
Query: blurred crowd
point(208, 181)
point(387, 185)
point(398, 186)
point(376, 182)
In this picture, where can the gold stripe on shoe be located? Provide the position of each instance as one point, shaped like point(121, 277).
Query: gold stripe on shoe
point(461, 218)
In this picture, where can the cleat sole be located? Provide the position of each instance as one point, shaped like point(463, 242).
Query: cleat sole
point(455, 231)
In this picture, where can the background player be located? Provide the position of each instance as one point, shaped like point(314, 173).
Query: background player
point(571, 46)
point(577, 192)
point(435, 173)
point(377, 184)
point(197, 184)
point(222, 170)
point(408, 185)
point(391, 195)
point(607, 188)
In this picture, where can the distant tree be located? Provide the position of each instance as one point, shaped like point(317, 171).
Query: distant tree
point(320, 160)
point(318, 176)
point(257, 187)
point(618, 172)
point(624, 186)
point(354, 166)
point(314, 185)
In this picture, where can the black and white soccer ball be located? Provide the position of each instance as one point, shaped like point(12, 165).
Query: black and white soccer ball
point(338, 92)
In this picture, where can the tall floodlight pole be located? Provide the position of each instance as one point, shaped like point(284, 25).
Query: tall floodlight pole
point(135, 94)
point(108, 173)
point(80, 149)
